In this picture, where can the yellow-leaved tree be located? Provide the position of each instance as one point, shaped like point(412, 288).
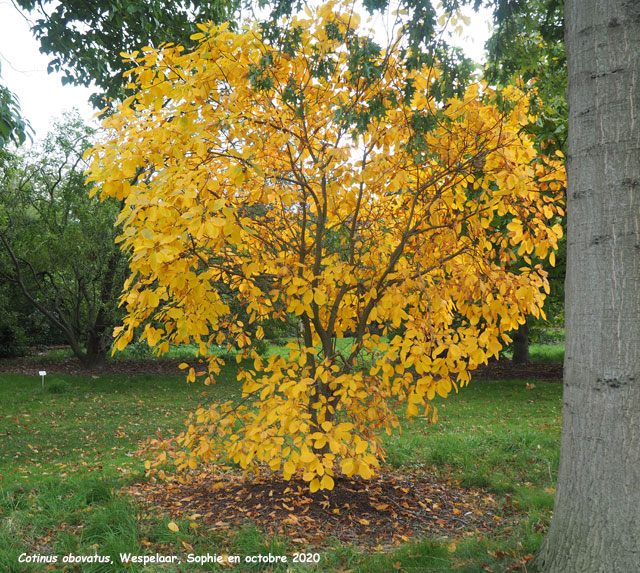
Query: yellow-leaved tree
point(318, 176)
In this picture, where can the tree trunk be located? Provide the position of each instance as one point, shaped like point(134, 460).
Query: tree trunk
point(596, 520)
point(521, 344)
point(99, 336)
point(96, 354)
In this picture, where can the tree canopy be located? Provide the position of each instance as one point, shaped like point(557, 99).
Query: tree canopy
point(324, 178)
point(85, 39)
point(13, 127)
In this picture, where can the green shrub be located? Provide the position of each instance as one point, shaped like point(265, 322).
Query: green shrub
point(57, 387)
point(13, 341)
point(139, 350)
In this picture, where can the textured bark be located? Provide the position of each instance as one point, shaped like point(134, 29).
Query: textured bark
point(596, 521)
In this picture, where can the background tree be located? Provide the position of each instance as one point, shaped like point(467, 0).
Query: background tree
point(595, 520)
point(85, 39)
point(22, 326)
point(13, 127)
point(528, 43)
point(13, 338)
point(317, 174)
point(57, 245)
point(527, 46)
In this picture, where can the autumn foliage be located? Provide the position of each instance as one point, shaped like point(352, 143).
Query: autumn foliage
point(317, 176)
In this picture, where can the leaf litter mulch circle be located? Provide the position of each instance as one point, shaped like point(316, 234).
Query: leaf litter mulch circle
point(381, 512)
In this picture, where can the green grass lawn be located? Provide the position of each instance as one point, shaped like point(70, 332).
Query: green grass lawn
point(544, 352)
point(67, 451)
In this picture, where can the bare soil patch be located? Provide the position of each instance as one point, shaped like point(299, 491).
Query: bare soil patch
point(495, 370)
point(504, 369)
point(377, 513)
point(30, 366)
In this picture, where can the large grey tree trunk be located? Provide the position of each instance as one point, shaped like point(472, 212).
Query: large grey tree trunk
point(596, 520)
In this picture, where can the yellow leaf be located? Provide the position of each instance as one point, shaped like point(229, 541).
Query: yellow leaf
point(348, 467)
point(307, 297)
point(327, 482)
point(173, 526)
point(319, 297)
point(289, 467)
point(121, 343)
point(364, 470)
point(274, 464)
point(307, 456)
